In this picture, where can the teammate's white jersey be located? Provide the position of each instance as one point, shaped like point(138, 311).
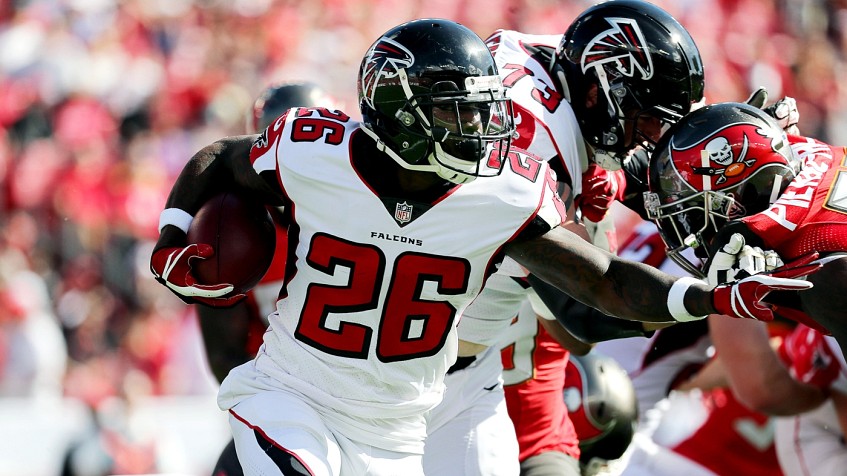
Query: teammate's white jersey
point(366, 328)
point(546, 125)
point(812, 443)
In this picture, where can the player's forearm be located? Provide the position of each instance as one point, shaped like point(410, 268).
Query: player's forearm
point(776, 393)
point(568, 341)
point(601, 280)
point(225, 334)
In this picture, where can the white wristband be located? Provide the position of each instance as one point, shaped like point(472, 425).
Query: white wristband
point(176, 217)
point(676, 296)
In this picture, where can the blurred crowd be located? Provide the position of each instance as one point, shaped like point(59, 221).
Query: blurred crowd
point(102, 102)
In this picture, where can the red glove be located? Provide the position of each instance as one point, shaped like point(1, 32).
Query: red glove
point(809, 357)
point(172, 267)
point(600, 187)
point(743, 299)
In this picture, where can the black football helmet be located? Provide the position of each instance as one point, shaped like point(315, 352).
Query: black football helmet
point(644, 64)
point(431, 97)
point(719, 163)
point(601, 404)
point(278, 98)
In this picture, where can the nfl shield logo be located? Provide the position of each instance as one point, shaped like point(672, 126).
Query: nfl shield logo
point(403, 212)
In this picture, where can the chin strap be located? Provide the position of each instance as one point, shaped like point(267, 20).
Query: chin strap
point(433, 166)
point(383, 147)
point(607, 161)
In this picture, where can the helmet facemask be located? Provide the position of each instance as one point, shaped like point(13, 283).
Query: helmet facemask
point(692, 222)
point(622, 122)
point(465, 126)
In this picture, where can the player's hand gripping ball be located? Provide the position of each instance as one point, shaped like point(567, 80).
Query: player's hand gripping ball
point(243, 237)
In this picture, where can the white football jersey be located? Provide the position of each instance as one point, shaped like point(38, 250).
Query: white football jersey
point(546, 125)
point(366, 328)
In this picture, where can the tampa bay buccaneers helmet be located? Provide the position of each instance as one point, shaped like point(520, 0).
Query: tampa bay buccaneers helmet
point(601, 403)
point(644, 65)
point(719, 163)
point(278, 98)
point(431, 97)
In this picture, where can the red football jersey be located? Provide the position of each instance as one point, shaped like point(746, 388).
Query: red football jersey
point(536, 401)
point(733, 439)
point(811, 214)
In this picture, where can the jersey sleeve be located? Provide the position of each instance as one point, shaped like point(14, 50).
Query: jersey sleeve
point(264, 153)
point(551, 212)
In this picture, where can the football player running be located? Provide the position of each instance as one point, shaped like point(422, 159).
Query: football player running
point(391, 239)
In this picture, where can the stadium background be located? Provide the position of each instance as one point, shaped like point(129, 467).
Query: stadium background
point(101, 103)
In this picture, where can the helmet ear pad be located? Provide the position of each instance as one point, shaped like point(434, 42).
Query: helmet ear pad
point(410, 140)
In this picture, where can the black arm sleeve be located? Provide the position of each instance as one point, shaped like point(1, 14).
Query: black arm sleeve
point(635, 167)
point(583, 322)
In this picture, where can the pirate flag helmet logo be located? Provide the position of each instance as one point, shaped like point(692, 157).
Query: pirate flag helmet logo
point(727, 157)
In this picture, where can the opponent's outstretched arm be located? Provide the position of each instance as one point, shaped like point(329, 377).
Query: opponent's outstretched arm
point(636, 291)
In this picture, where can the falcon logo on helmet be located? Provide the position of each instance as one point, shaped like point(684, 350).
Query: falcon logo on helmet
point(384, 60)
point(718, 166)
point(623, 46)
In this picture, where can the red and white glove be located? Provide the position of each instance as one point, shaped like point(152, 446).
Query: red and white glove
point(809, 357)
point(172, 267)
point(600, 188)
point(743, 299)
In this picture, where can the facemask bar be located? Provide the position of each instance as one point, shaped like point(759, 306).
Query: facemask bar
point(619, 100)
point(613, 97)
point(709, 205)
point(458, 151)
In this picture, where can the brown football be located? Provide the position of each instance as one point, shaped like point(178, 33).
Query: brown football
point(242, 234)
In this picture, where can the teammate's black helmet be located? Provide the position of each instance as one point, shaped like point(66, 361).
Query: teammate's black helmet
point(278, 98)
point(642, 61)
point(719, 163)
point(429, 91)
